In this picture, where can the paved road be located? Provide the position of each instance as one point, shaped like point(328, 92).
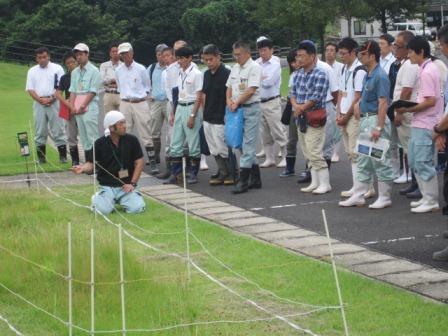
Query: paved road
point(394, 230)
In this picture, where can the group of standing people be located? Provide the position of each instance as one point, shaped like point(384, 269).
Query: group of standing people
point(352, 100)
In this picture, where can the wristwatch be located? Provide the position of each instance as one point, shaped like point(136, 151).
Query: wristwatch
point(133, 184)
point(378, 128)
point(192, 115)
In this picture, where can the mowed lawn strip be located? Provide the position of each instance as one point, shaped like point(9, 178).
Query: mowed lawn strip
point(16, 113)
point(35, 226)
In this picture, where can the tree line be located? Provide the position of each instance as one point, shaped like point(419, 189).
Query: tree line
point(146, 23)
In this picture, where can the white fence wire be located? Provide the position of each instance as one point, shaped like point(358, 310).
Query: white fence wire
point(272, 315)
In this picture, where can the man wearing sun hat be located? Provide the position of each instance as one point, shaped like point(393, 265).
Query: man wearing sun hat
point(119, 163)
point(84, 87)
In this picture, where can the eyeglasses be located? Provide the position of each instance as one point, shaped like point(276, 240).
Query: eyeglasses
point(396, 46)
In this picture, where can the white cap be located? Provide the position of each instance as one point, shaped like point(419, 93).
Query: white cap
point(110, 119)
point(262, 38)
point(124, 47)
point(81, 47)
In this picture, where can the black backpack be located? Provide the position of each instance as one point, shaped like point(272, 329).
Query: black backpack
point(359, 67)
point(151, 71)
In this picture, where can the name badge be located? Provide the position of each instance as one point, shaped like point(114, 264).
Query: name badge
point(344, 93)
point(242, 86)
point(123, 173)
point(182, 95)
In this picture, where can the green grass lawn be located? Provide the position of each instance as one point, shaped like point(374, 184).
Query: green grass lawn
point(15, 116)
point(35, 226)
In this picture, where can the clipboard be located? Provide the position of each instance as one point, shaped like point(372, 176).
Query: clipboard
point(79, 100)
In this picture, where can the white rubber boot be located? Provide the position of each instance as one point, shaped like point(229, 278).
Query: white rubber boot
point(415, 204)
point(357, 199)
point(270, 159)
point(430, 191)
point(323, 175)
point(371, 192)
point(348, 193)
point(404, 178)
point(203, 164)
point(314, 182)
point(261, 153)
point(282, 163)
point(383, 200)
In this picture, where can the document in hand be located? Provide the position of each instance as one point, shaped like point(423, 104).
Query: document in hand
point(375, 150)
point(79, 100)
point(64, 112)
point(402, 103)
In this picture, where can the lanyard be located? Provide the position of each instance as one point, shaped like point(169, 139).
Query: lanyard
point(186, 75)
point(115, 155)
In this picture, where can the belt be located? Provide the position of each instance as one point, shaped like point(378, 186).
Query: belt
point(134, 101)
point(112, 91)
point(249, 105)
point(46, 97)
point(269, 99)
point(185, 104)
point(368, 114)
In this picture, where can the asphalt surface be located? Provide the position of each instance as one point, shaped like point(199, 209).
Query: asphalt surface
point(394, 230)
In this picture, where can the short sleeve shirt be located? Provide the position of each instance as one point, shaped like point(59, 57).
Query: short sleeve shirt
point(429, 86)
point(189, 83)
point(132, 81)
point(376, 85)
point(333, 85)
point(111, 159)
point(348, 87)
point(86, 80)
point(407, 77)
point(44, 81)
point(64, 85)
point(214, 88)
point(311, 86)
point(243, 77)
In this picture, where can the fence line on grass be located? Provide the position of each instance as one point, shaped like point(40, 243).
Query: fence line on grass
point(10, 326)
point(283, 318)
point(198, 268)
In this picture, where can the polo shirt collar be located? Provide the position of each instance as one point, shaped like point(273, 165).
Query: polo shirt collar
point(425, 63)
point(130, 65)
point(188, 69)
point(388, 57)
point(248, 62)
point(374, 71)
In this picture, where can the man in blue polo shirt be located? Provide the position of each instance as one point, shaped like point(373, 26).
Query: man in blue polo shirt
point(372, 109)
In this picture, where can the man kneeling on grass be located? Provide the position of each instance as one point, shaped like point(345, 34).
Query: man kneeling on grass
point(119, 162)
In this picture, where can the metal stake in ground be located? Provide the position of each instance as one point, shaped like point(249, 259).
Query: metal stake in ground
point(92, 282)
point(69, 278)
point(187, 229)
point(333, 264)
point(34, 156)
point(22, 138)
point(123, 306)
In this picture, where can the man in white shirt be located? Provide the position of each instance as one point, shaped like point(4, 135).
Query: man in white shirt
point(272, 130)
point(331, 50)
point(405, 89)
point(133, 85)
point(111, 99)
point(41, 83)
point(350, 87)
point(243, 92)
point(386, 57)
point(186, 120)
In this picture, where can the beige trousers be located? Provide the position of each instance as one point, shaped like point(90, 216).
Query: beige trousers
point(350, 134)
point(312, 144)
point(137, 118)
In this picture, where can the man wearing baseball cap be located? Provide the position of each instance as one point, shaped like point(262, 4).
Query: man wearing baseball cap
point(84, 87)
point(119, 162)
point(133, 85)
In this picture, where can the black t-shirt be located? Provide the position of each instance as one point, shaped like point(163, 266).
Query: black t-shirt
point(64, 84)
point(215, 88)
point(113, 159)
